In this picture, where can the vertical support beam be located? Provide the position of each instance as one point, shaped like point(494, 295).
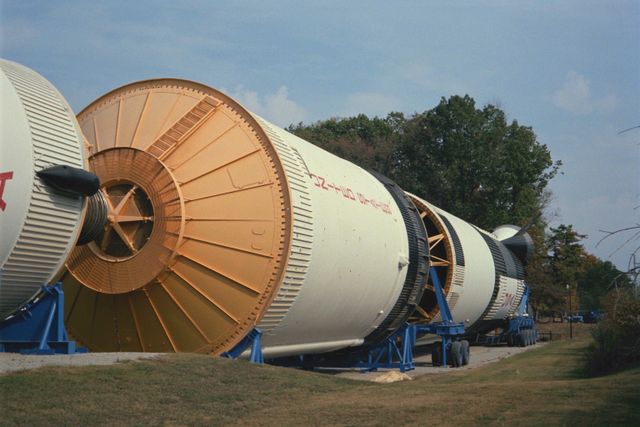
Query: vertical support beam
point(42, 345)
point(252, 340)
point(409, 342)
point(61, 332)
point(444, 351)
point(440, 298)
point(256, 348)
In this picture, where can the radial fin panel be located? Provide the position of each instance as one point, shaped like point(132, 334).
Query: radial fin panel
point(184, 334)
point(151, 332)
point(229, 294)
point(199, 222)
point(107, 123)
point(213, 322)
point(208, 133)
point(132, 107)
point(252, 237)
point(127, 332)
point(231, 147)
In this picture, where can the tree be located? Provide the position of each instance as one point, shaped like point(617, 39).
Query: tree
point(567, 254)
point(631, 234)
point(567, 258)
point(545, 296)
point(616, 343)
point(369, 143)
point(474, 164)
point(466, 160)
point(597, 279)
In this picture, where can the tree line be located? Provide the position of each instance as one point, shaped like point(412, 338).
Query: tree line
point(474, 163)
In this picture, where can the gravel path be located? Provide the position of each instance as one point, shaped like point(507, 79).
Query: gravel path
point(480, 356)
point(17, 362)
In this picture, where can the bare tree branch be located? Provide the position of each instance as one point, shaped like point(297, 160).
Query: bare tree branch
point(627, 130)
point(612, 233)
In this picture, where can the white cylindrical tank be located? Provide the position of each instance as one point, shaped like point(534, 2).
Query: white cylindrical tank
point(506, 231)
point(220, 221)
point(482, 279)
point(355, 243)
point(38, 225)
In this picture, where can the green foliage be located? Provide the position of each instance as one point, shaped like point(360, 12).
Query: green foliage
point(474, 164)
point(596, 280)
point(369, 143)
point(558, 263)
point(567, 254)
point(545, 296)
point(616, 338)
point(466, 160)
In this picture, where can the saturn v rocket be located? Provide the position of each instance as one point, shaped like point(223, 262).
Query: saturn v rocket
point(210, 221)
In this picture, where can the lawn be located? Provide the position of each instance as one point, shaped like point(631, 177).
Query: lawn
point(544, 386)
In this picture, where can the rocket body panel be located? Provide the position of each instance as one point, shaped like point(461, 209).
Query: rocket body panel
point(16, 167)
point(486, 281)
point(479, 273)
point(39, 224)
point(358, 249)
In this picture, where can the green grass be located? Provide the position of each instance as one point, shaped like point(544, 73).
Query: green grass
point(539, 387)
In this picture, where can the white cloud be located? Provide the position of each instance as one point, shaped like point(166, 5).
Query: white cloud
point(575, 96)
point(371, 104)
point(276, 107)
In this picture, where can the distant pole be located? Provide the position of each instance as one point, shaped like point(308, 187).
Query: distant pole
point(570, 314)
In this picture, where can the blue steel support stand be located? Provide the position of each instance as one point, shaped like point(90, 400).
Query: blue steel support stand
point(253, 340)
point(38, 326)
point(520, 322)
point(397, 350)
point(524, 302)
point(448, 330)
point(512, 327)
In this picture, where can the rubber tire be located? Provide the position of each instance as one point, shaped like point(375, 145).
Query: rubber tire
point(456, 354)
point(436, 355)
point(465, 352)
point(520, 339)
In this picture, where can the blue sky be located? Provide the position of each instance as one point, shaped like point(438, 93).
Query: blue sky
point(569, 69)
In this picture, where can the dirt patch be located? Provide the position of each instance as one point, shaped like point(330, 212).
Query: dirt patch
point(392, 377)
